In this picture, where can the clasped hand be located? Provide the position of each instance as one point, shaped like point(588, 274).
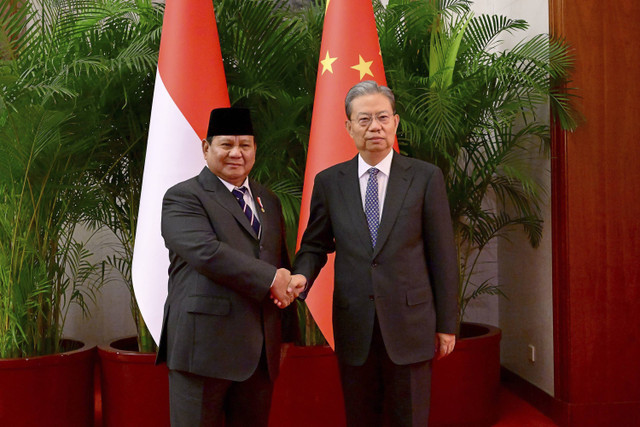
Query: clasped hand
point(286, 287)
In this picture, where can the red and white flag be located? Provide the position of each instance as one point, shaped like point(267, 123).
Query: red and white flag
point(190, 82)
point(350, 53)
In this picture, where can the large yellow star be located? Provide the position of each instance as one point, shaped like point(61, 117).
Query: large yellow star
point(364, 67)
point(326, 63)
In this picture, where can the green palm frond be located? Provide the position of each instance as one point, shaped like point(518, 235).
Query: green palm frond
point(41, 175)
point(65, 80)
point(483, 32)
point(14, 34)
point(270, 53)
point(453, 7)
point(289, 192)
point(444, 48)
point(479, 112)
point(476, 291)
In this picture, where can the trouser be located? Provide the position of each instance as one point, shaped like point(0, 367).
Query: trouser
point(382, 393)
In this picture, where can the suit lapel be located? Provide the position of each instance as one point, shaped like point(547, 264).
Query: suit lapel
point(349, 183)
point(211, 183)
point(399, 180)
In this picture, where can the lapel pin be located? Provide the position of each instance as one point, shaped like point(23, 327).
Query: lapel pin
point(260, 203)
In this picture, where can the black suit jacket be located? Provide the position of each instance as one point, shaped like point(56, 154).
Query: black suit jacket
point(409, 279)
point(218, 314)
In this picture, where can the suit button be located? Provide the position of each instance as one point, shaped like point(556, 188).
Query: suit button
point(371, 297)
point(374, 264)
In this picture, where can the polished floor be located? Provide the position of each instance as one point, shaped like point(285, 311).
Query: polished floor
point(514, 412)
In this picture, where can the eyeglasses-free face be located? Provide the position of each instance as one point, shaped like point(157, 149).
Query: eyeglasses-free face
point(230, 157)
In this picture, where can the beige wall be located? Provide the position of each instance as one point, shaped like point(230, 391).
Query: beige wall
point(110, 316)
point(525, 274)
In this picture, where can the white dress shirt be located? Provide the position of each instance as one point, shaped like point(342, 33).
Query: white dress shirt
point(248, 196)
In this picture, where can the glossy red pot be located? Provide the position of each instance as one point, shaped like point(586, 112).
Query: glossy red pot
point(307, 392)
point(135, 392)
point(464, 387)
point(53, 390)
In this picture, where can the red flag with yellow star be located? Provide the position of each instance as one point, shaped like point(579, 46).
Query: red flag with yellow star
point(349, 54)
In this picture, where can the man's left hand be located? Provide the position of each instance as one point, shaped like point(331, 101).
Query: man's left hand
point(445, 344)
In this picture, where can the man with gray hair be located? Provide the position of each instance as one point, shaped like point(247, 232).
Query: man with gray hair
point(387, 218)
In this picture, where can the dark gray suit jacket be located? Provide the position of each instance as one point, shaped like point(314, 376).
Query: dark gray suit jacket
point(218, 313)
point(409, 280)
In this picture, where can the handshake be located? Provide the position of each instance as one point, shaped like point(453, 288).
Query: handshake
point(286, 287)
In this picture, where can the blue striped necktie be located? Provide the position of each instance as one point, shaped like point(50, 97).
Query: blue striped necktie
point(253, 219)
point(372, 205)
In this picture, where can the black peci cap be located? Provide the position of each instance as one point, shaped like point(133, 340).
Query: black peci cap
point(229, 121)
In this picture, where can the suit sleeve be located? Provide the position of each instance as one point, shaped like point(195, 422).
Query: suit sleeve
point(188, 233)
point(441, 253)
point(317, 240)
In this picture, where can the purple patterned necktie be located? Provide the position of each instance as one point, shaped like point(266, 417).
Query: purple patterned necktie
point(372, 205)
point(239, 194)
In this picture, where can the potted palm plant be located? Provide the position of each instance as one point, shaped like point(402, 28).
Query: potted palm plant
point(477, 111)
point(45, 157)
point(133, 390)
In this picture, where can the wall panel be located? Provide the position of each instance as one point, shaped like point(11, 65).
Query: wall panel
point(596, 192)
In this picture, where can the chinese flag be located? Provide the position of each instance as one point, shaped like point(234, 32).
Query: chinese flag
point(350, 53)
point(190, 82)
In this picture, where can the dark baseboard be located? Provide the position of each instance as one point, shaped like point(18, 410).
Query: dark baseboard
point(543, 402)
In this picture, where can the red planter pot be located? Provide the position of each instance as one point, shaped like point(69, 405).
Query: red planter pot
point(464, 387)
point(135, 392)
point(307, 392)
point(54, 390)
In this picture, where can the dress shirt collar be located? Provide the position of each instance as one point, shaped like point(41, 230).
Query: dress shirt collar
point(230, 186)
point(384, 166)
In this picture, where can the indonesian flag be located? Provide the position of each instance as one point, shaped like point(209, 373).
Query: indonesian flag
point(350, 53)
point(190, 82)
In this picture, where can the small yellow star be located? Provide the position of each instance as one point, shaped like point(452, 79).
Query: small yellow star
point(326, 63)
point(364, 67)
